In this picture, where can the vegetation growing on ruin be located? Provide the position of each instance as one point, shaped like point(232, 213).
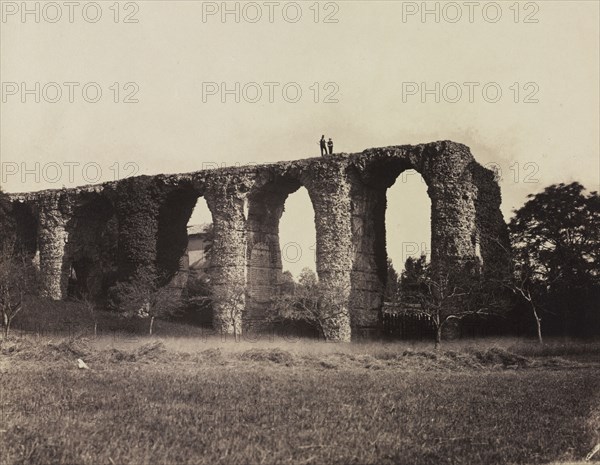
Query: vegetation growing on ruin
point(138, 204)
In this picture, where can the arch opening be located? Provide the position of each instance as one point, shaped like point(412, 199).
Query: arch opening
point(195, 265)
point(183, 242)
point(408, 248)
point(383, 240)
point(281, 242)
point(407, 220)
point(172, 240)
point(298, 234)
point(92, 248)
point(27, 225)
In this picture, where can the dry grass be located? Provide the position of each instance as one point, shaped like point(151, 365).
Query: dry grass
point(205, 400)
point(472, 355)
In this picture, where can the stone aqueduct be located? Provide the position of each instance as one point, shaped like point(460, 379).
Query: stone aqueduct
point(107, 232)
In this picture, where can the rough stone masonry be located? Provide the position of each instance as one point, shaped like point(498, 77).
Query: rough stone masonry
point(108, 232)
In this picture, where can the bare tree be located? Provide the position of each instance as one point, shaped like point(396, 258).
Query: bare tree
point(522, 284)
point(452, 295)
point(440, 302)
point(311, 302)
point(142, 297)
point(524, 281)
point(17, 280)
point(226, 302)
point(90, 307)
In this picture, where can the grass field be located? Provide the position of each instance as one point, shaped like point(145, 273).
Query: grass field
point(184, 400)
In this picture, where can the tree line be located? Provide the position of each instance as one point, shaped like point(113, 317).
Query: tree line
point(551, 280)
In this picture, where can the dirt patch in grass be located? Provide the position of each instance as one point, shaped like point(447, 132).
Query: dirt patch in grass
point(501, 357)
point(211, 356)
point(45, 350)
point(277, 356)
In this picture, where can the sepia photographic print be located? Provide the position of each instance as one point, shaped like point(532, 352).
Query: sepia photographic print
point(299, 232)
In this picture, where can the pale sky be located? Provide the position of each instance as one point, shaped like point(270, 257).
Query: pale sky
point(373, 60)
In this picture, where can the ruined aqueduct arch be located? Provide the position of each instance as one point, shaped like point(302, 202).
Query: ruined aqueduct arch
point(109, 231)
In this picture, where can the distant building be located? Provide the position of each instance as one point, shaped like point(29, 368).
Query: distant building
point(195, 257)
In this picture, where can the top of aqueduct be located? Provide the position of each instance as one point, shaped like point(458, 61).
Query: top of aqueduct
point(374, 166)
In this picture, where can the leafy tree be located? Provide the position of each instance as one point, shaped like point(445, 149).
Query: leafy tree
point(287, 285)
point(413, 277)
point(197, 298)
point(209, 237)
point(392, 286)
point(308, 278)
point(557, 232)
point(555, 240)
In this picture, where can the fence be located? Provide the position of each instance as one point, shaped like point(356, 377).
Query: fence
point(406, 322)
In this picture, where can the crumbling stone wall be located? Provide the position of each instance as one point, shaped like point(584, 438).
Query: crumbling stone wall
point(491, 230)
point(54, 212)
point(226, 198)
point(266, 204)
point(144, 220)
point(369, 270)
point(329, 191)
